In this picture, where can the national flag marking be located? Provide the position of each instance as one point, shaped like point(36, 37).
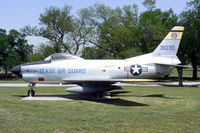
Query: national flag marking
point(144, 69)
point(127, 68)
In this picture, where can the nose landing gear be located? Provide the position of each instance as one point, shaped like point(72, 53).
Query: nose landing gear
point(31, 92)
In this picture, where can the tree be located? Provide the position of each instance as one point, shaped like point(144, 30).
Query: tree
point(153, 26)
point(19, 44)
point(90, 53)
point(191, 37)
point(78, 38)
point(4, 48)
point(123, 33)
point(55, 24)
point(111, 30)
point(14, 49)
point(41, 52)
point(149, 4)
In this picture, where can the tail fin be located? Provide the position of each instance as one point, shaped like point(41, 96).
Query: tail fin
point(169, 46)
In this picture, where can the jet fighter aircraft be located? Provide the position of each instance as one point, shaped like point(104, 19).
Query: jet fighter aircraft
point(98, 76)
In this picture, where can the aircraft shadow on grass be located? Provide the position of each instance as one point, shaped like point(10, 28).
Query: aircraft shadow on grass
point(153, 95)
point(85, 97)
point(115, 100)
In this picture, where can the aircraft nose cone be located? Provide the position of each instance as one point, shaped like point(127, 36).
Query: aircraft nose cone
point(16, 70)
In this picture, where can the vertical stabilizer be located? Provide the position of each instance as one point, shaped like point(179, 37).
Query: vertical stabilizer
point(169, 46)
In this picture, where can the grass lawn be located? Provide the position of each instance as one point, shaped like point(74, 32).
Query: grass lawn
point(134, 109)
point(12, 81)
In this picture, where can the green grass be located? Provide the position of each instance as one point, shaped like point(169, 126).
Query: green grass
point(134, 109)
point(15, 80)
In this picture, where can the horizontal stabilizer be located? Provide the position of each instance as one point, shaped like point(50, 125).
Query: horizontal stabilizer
point(183, 66)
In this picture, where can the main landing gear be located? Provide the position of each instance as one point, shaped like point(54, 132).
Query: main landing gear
point(31, 92)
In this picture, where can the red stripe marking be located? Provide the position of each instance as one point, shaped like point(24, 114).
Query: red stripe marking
point(103, 70)
point(145, 69)
point(41, 79)
point(127, 68)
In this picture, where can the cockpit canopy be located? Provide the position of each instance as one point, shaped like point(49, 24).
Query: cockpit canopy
point(61, 56)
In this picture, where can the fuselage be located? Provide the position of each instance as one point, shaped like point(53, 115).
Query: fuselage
point(59, 70)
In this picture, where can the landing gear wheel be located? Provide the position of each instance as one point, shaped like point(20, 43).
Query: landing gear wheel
point(31, 92)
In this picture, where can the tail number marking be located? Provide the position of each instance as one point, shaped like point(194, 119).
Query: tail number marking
point(167, 47)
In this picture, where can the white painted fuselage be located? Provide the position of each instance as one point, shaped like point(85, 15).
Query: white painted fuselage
point(59, 71)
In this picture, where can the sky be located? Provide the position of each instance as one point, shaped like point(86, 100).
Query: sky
point(15, 14)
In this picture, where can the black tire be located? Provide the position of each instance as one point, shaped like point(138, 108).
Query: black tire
point(31, 92)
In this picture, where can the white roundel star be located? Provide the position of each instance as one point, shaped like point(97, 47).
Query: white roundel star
point(136, 70)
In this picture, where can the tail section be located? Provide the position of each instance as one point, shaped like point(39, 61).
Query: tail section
point(169, 46)
point(165, 53)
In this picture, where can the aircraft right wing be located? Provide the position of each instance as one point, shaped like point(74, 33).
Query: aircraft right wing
point(103, 81)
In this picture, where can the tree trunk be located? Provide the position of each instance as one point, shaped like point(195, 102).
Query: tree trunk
point(194, 71)
point(194, 66)
point(180, 79)
point(6, 73)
